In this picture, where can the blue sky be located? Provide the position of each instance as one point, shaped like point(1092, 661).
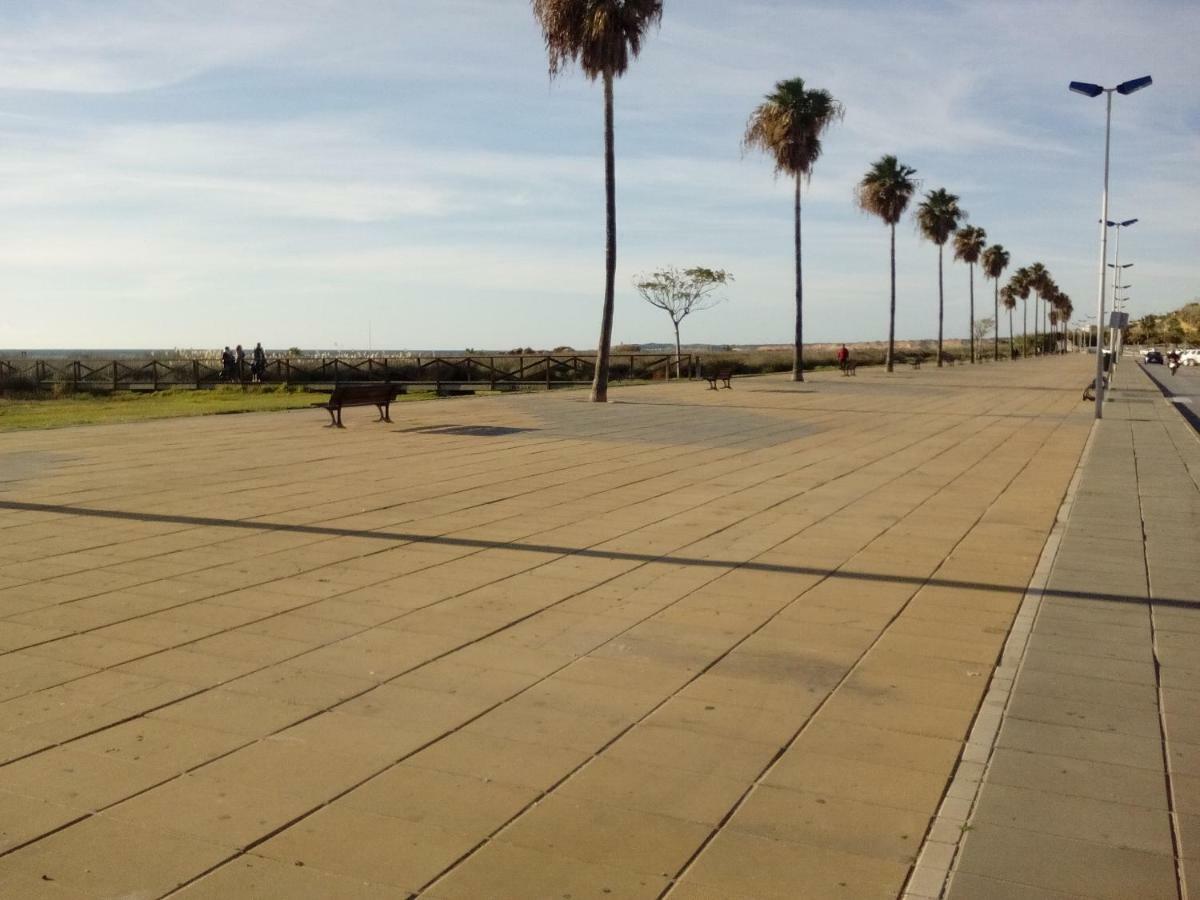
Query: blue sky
point(195, 174)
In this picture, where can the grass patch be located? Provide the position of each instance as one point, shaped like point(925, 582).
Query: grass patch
point(23, 412)
point(27, 411)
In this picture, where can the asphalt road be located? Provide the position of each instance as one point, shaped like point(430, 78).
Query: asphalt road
point(1182, 388)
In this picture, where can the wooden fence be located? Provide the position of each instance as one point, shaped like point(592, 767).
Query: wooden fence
point(498, 372)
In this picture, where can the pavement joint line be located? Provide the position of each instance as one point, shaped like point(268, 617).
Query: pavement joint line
point(322, 599)
point(679, 875)
point(621, 462)
point(317, 539)
point(450, 651)
point(980, 746)
point(534, 802)
point(563, 551)
point(487, 838)
point(772, 617)
point(317, 529)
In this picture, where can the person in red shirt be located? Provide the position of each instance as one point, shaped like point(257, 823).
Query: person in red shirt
point(843, 358)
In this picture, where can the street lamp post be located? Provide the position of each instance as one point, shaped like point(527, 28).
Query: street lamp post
point(1095, 90)
point(1117, 267)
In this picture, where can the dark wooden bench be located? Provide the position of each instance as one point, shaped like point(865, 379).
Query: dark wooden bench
point(721, 375)
point(377, 395)
point(849, 367)
point(916, 363)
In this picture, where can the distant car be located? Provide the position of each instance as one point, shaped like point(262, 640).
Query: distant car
point(1153, 356)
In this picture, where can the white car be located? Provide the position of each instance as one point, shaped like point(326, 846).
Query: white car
point(1190, 357)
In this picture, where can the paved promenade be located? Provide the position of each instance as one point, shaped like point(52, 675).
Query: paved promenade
point(690, 644)
point(1093, 788)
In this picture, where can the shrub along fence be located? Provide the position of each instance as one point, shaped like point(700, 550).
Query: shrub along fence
point(517, 371)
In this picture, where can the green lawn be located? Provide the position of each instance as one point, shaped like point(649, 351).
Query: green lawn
point(88, 409)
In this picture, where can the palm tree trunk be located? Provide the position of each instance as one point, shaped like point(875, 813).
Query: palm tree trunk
point(1011, 340)
point(1025, 328)
point(939, 306)
point(1037, 313)
point(996, 313)
point(892, 314)
point(971, 270)
point(600, 381)
point(798, 353)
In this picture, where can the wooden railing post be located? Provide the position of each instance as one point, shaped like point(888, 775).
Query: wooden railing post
point(114, 376)
point(548, 359)
point(154, 373)
point(196, 372)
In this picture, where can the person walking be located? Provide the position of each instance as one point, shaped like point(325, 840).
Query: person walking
point(259, 367)
point(241, 363)
point(227, 362)
point(843, 358)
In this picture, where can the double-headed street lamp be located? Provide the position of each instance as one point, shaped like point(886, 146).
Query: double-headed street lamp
point(1095, 90)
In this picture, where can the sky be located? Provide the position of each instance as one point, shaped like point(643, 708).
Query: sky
point(403, 175)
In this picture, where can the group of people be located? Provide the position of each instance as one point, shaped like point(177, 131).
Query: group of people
point(233, 364)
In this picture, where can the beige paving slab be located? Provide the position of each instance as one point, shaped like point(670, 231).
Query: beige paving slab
point(1067, 865)
point(356, 844)
point(509, 872)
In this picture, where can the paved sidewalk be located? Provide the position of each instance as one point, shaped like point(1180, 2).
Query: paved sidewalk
point(692, 644)
point(1093, 789)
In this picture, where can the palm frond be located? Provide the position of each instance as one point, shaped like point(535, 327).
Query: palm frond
point(886, 189)
point(601, 35)
point(788, 125)
point(939, 215)
point(969, 242)
point(995, 260)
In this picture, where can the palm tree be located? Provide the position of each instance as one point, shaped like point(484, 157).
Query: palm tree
point(938, 217)
point(1021, 288)
point(788, 125)
point(885, 191)
point(968, 244)
point(1039, 282)
point(602, 36)
point(1065, 310)
point(995, 261)
point(1009, 296)
point(1049, 294)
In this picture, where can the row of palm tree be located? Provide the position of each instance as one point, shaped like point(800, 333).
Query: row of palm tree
point(1051, 305)
point(603, 36)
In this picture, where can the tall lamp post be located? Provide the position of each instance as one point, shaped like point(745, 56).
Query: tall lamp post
point(1117, 336)
point(1117, 267)
point(1095, 90)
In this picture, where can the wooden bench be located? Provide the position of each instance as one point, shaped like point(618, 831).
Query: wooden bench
point(377, 395)
point(721, 375)
point(849, 367)
point(916, 363)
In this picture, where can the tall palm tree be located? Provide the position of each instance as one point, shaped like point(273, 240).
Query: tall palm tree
point(885, 191)
point(1039, 283)
point(1065, 310)
point(938, 217)
point(1019, 282)
point(1049, 295)
point(1008, 296)
point(602, 36)
point(995, 261)
point(788, 125)
point(968, 245)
